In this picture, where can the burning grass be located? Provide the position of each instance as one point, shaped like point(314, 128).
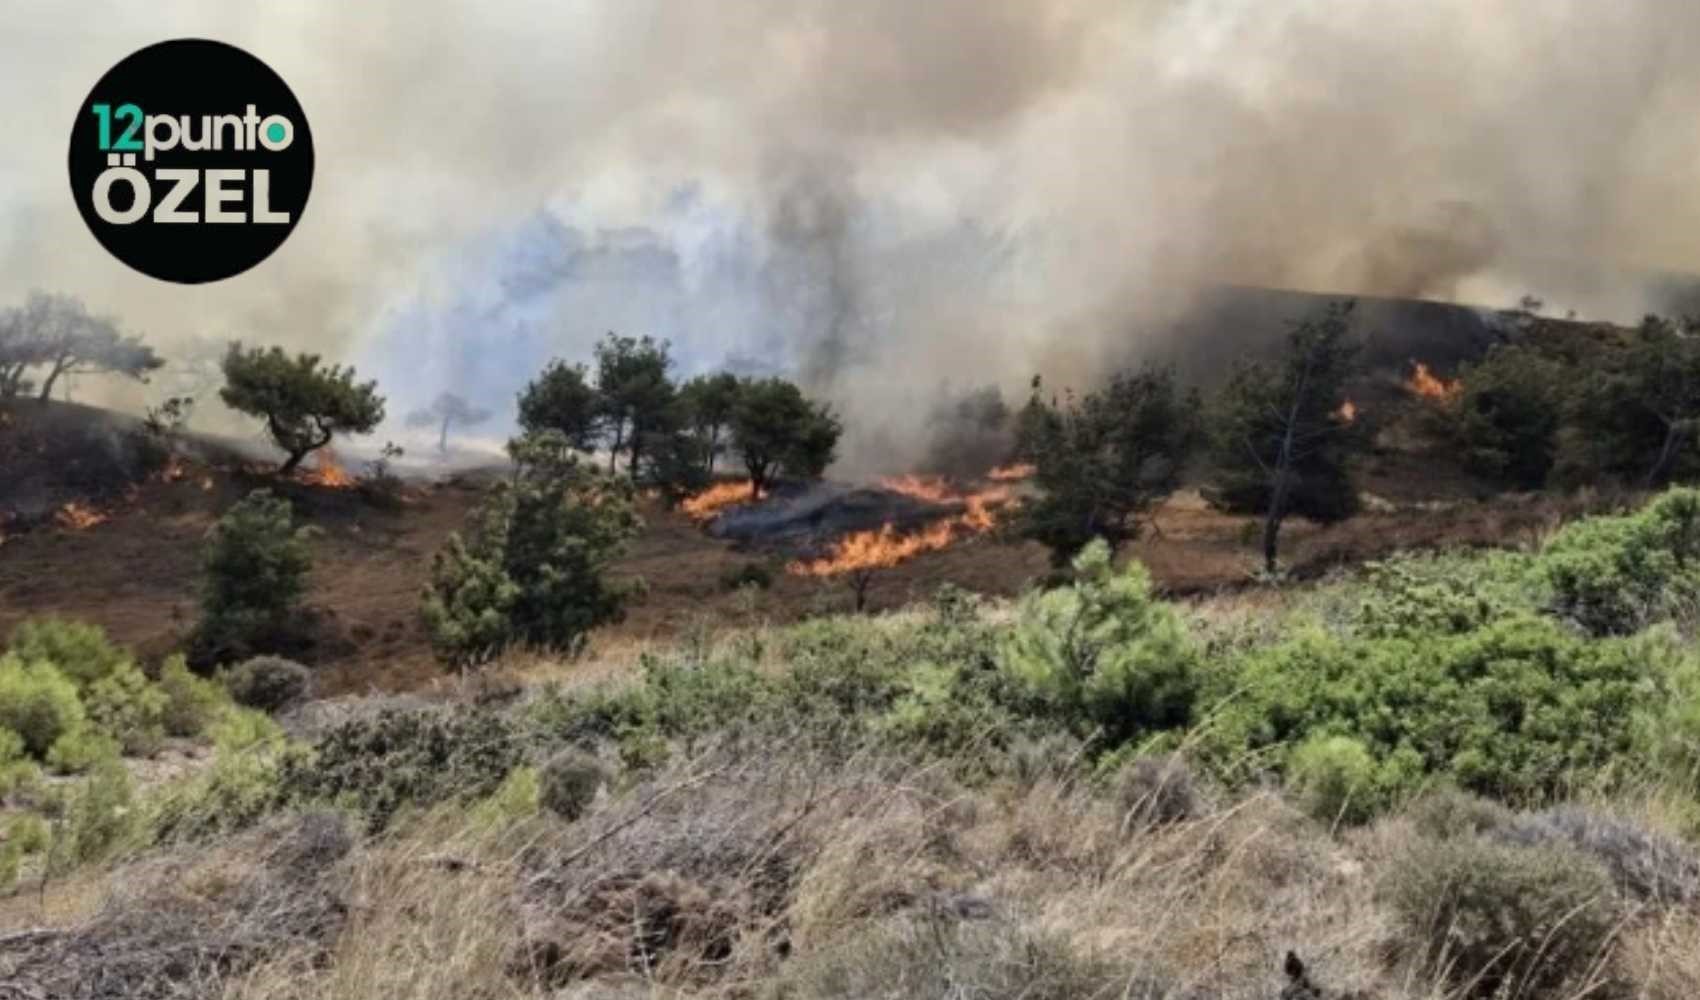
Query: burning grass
point(1427, 385)
point(78, 516)
point(328, 472)
point(709, 503)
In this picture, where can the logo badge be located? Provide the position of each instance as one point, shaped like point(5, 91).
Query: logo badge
point(191, 161)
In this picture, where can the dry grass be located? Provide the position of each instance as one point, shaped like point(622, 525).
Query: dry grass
point(782, 870)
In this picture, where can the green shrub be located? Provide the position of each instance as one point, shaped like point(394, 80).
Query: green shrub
point(1419, 596)
point(81, 749)
point(569, 781)
point(378, 765)
point(1518, 709)
point(254, 571)
point(100, 817)
point(1103, 653)
point(242, 786)
point(37, 702)
point(1615, 575)
point(268, 683)
point(1507, 417)
point(1334, 779)
point(28, 833)
point(16, 769)
point(518, 798)
point(533, 568)
point(80, 651)
point(192, 704)
point(125, 706)
point(1491, 917)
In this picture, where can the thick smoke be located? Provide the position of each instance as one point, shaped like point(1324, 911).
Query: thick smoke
point(882, 196)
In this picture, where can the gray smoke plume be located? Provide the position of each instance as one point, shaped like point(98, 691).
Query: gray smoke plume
point(882, 196)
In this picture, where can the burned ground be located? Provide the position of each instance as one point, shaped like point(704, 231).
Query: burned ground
point(135, 571)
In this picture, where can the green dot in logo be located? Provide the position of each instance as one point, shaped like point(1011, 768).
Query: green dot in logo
point(274, 132)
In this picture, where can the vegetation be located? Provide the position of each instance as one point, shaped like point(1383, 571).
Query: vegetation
point(56, 336)
point(303, 402)
point(776, 429)
point(532, 567)
point(1105, 460)
point(254, 572)
point(1508, 414)
point(1281, 441)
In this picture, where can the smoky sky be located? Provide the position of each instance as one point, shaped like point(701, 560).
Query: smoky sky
point(884, 197)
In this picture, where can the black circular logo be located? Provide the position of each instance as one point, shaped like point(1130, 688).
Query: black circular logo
point(191, 161)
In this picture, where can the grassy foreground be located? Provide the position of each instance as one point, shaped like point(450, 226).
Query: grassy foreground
point(1442, 776)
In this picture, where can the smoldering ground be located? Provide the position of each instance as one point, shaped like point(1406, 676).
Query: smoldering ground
point(886, 197)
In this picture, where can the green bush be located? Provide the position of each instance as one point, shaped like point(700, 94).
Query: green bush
point(1103, 653)
point(1490, 917)
point(242, 786)
point(254, 572)
point(268, 683)
point(16, 769)
point(533, 568)
point(1518, 709)
point(125, 706)
point(99, 818)
point(1334, 779)
point(381, 764)
point(37, 702)
point(192, 704)
point(1507, 417)
point(81, 749)
point(1615, 575)
point(1419, 596)
point(80, 651)
point(569, 781)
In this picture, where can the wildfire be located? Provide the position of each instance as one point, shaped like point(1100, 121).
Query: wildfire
point(76, 516)
point(883, 547)
point(328, 472)
point(718, 497)
point(1012, 473)
point(932, 489)
point(1425, 384)
point(1347, 413)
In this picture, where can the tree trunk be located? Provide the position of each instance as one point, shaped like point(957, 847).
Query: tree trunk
point(52, 376)
point(713, 443)
point(615, 446)
point(292, 461)
point(860, 581)
point(1672, 432)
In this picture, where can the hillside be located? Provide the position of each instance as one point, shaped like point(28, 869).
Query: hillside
point(98, 537)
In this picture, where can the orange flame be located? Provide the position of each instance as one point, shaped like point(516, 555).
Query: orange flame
point(931, 489)
point(1425, 384)
point(882, 547)
point(1347, 413)
point(76, 516)
point(1012, 473)
point(718, 497)
point(328, 472)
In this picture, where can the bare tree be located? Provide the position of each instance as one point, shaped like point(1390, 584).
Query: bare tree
point(445, 412)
